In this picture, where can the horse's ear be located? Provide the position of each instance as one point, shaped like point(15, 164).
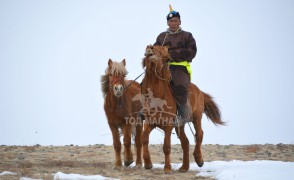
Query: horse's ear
point(124, 62)
point(110, 63)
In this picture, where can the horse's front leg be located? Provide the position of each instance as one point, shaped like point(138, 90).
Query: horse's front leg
point(167, 148)
point(116, 145)
point(180, 130)
point(145, 140)
point(128, 155)
point(138, 143)
point(199, 137)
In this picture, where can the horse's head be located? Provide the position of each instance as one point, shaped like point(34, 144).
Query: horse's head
point(161, 52)
point(114, 78)
point(156, 59)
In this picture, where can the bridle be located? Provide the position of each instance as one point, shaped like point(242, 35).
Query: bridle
point(156, 64)
point(116, 79)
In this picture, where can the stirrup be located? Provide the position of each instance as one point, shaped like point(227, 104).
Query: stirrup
point(141, 115)
point(179, 120)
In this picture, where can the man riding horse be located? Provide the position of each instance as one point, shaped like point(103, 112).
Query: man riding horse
point(182, 49)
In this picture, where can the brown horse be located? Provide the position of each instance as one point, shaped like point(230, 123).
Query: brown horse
point(157, 78)
point(118, 106)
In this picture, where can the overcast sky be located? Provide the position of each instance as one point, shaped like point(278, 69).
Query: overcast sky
point(52, 54)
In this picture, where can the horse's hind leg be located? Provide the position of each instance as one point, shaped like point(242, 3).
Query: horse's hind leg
point(116, 145)
point(145, 140)
point(128, 156)
point(199, 136)
point(185, 147)
point(138, 143)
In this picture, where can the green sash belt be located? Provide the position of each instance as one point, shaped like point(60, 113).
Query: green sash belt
point(183, 63)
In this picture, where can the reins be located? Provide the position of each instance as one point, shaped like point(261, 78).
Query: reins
point(155, 72)
point(126, 87)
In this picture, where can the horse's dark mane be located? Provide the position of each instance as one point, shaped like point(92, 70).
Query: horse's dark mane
point(117, 69)
point(104, 84)
point(143, 63)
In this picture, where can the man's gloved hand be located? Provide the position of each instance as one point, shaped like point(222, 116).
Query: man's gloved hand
point(173, 54)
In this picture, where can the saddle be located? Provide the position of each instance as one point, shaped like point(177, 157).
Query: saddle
point(188, 117)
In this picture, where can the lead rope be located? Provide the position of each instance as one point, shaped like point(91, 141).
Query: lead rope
point(164, 39)
point(177, 118)
point(178, 124)
point(126, 87)
point(192, 132)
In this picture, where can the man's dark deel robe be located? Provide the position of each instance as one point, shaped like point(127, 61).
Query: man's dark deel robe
point(182, 47)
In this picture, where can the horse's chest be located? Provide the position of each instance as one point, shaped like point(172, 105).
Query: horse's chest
point(120, 112)
point(117, 112)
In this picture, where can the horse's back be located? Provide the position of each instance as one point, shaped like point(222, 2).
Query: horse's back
point(194, 89)
point(135, 84)
point(196, 98)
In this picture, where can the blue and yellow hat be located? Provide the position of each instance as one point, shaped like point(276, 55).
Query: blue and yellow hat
point(172, 13)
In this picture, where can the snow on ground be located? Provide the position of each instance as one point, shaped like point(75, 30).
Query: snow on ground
point(221, 170)
point(7, 173)
point(62, 176)
point(242, 170)
point(25, 178)
point(247, 170)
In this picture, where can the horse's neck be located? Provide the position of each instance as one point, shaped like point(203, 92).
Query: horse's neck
point(159, 87)
point(115, 102)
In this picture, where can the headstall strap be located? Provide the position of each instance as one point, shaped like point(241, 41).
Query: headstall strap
point(116, 79)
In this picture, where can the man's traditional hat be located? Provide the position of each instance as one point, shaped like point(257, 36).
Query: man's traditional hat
point(172, 13)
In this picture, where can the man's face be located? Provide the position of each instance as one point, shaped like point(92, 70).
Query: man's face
point(174, 24)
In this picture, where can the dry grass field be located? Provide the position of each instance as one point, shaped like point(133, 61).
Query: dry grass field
point(42, 162)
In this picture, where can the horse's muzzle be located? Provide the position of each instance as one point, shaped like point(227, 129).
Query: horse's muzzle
point(118, 90)
point(148, 52)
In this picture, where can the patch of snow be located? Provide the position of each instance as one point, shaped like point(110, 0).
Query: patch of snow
point(220, 170)
point(7, 173)
point(62, 176)
point(246, 170)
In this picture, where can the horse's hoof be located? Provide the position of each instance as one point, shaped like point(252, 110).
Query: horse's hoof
point(167, 170)
point(200, 164)
point(199, 161)
point(127, 163)
point(148, 166)
point(139, 165)
point(183, 170)
point(117, 167)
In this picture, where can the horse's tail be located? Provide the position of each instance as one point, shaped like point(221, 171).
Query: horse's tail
point(211, 110)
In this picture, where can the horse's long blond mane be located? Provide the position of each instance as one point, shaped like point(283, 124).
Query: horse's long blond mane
point(117, 69)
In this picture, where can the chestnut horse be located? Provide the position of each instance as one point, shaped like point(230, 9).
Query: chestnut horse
point(118, 106)
point(157, 78)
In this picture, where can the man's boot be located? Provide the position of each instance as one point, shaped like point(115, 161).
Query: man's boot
point(181, 114)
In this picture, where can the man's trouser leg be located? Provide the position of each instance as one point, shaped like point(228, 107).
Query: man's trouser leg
point(180, 84)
